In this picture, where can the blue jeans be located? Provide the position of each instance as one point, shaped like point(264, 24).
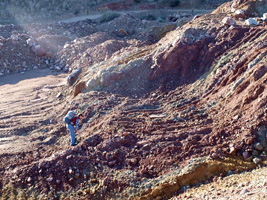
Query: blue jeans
point(72, 134)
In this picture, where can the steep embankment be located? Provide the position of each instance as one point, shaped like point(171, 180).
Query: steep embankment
point(220, 111)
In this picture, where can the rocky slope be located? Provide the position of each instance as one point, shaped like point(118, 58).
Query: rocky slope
point(166, 110)
point(21, 11)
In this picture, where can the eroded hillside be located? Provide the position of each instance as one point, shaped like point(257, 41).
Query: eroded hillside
point(166, 108)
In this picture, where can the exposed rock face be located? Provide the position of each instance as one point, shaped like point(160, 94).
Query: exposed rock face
point(251, 8)
point(74, 76)
point(220, 62)
point(192, 50)
point(183, 55)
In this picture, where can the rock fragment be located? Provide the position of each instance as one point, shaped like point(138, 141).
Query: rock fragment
point(246, 155)
point(50, 179)
point(228, 21)
point(40, 51)
point(74, 76)
point(256, 160)
point(258, 146)
point(251, 21)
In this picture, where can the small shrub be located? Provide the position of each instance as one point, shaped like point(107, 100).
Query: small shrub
point(174, 3)
point(106, 17)
point(171, 3)
point(76, 12)
point(162, 19)
point(148, 17)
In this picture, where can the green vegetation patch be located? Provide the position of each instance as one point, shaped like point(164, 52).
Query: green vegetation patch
point(148, 17)
point(106, 17)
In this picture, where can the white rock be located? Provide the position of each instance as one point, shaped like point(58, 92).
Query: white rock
point(30, 42)
point(258, 146)
point(264, 16)
point(240, 12)
point(228, 21)
point(233, 9)
point(59, 95)
point(40, 51)
point(50, 179)
point(236, 117)
point(57, 69)
point(232, 150)
point(14, 37)
point(256, 160)
point(251, 21)
point(66, 46)
point(71, 171)
point(66, 69)
point(157, 116)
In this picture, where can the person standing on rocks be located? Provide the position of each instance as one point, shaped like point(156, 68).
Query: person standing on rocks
point(72, 121)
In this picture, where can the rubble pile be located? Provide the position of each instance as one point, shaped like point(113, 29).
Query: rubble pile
point(112, 38)
point(17, 56)
point(64, 46)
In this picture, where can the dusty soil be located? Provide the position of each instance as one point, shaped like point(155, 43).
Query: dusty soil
point(26, 102)
point(247, 185)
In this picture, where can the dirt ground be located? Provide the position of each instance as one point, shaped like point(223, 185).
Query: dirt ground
point(32, 96)
point(25, 101)
point(248, 185)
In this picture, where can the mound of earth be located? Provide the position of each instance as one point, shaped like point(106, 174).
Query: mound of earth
point(161, 116)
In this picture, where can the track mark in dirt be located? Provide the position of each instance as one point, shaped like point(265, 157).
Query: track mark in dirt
point(26, 99)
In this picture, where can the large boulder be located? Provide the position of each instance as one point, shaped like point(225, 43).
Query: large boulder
point(2, 39)
point(52, 43)
point(228, 21)
point(240, 14)
point(251, 21)
point(74, 76)
point(30, 42)
point(38, 50)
